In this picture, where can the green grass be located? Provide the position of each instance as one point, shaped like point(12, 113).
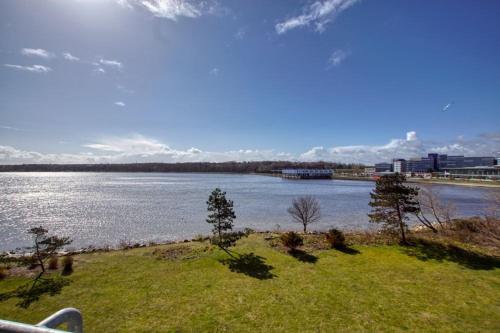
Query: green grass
point(381, 288)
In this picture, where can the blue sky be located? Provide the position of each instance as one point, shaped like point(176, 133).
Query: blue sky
point(172, 80)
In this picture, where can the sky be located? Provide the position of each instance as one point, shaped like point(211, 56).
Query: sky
point(365, 81)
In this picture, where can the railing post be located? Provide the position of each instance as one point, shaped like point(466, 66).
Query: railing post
point(71, 316)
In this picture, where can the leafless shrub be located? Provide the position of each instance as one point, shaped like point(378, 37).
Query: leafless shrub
point(433, 211)
point(67, 263)
point(493, 209)
point(305, 210)
point(53, 262)
point(125, 244)
point(3, 273)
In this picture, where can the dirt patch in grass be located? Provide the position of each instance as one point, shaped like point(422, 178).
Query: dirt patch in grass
point(181, 252)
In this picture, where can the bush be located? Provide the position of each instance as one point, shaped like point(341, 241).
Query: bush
point(3, 273)
point(53, 262)
point(67, 263)
point(292, 240)
point(336, 239)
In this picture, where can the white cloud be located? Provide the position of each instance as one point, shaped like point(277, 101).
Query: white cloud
point(411, 136)
point(240, 34)
point(319, 13)
point(99, 70)
point(336, 58)
point(171, 9)
point(37, 53)
point(214, 71)
point(138, 148)
point(70, 57)
point(120, 104)
point(34, 68)
point(399, 148)
point(124, 3)
point(111, 63)
point(10, 128)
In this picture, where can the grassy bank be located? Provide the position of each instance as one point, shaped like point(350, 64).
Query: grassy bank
point(194, 287)
point(460, 182)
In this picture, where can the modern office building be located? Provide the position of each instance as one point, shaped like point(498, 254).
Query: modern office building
point(470, 162)
point(399, 165)
point(435, 162)
point(478, 172)
point(383, 167)
point(420, 165)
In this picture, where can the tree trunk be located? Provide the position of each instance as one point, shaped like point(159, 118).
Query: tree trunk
point(403, 236)
point(305, 228)
point(39, 256)
point(401, 226)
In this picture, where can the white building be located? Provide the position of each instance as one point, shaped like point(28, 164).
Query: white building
point(399, 166)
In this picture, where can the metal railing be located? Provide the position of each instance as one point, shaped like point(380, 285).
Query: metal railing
point(70, 316)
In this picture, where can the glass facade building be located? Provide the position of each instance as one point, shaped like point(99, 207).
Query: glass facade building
point(435, 162)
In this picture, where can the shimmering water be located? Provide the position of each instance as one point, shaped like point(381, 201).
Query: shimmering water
point(104, 208)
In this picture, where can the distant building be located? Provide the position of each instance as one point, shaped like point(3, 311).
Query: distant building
point(475, 166)
point(383, 167)
point(448, 162)
point(307, 173)
point(420, 165)
point(478, 172)
point(369, 171)
point(399, 165)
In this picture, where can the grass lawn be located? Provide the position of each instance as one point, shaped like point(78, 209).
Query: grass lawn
point(192, 287)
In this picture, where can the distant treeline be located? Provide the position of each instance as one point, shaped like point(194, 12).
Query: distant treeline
point(236, 167)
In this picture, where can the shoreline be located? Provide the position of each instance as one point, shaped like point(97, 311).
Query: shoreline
point(467, 183)
point(430, 181)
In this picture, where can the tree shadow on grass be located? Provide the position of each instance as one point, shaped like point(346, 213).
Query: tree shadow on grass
point(251, 265)
point(303, 256)
point(347, 250)
point(32, 291)
point(425, 250)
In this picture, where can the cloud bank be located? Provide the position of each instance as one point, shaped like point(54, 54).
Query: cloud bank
point(139, 148)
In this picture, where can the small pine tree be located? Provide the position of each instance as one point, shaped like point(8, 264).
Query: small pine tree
point(45, 247)
point(221, 215)
point(391, 201)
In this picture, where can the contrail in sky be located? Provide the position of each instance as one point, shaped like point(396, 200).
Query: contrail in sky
point(447, 106)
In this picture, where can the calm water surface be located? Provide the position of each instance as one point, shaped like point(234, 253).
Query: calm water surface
point(104, 208)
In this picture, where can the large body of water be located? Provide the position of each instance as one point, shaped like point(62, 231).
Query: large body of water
point(104, 208)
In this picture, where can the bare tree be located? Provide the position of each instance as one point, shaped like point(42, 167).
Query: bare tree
point(433, 211)
point(305, 210)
